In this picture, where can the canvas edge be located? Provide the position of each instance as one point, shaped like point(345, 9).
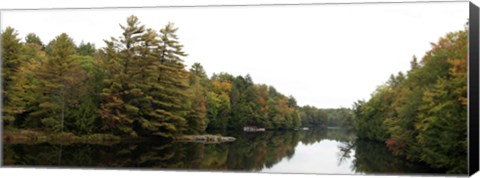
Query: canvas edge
point(1, 93)
point(473, 90)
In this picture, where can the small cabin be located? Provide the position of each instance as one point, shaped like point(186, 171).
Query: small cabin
point(253, 129)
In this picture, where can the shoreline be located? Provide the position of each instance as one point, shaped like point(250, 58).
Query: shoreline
point(38, 137)
point(66, 138)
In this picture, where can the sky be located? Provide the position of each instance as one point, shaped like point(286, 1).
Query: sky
point(327, 56)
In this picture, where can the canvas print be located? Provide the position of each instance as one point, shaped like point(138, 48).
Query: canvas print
point(377, 88)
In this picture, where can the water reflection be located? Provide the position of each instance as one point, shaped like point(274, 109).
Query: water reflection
point(374, 157)
point(314, 151)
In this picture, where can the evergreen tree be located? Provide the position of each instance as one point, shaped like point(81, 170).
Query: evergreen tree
point(197, 116)
point(22, 95)
point(11, 48)
point(121, 95)
point(87, 49)
point(60, 79)
point(170, 90)
point(33, 39)
point(198, 70)
point(414, 63)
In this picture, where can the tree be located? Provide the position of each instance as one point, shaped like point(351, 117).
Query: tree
point(33, 39)
point(198, 70)
point(86, 49)
point(370, 115)
point(147, 84)
point(11, 48)
point(292, 102)
point(60, 79)
point(169, 92)
point(22, 95)
point(197, 116)
point(243, 103)
point(121, 95)
point(84, 118)
point(414, 63)
point(218, 104)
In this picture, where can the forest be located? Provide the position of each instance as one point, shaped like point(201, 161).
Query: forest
point(136, 86)
point(422, 114)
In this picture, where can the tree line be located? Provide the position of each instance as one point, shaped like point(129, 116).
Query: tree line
point(422, 114)
point(319, 117)
point(137, 85)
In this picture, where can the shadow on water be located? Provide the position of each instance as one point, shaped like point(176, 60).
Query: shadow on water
point(375, 157)
point(250, 152)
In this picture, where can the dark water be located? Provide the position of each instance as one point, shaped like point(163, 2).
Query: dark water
point(316, 151)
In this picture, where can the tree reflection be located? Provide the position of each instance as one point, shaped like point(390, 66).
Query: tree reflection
point(345, 149)
point(374, 157)
point(250, 152)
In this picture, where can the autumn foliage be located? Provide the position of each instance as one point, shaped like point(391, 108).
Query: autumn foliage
point(422, 114)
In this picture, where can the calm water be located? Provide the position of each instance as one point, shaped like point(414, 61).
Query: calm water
point(317, 151)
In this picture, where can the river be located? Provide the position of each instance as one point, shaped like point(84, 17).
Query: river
point(327, 151)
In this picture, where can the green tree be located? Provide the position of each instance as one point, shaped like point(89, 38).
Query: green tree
point(85, 119)
point(60, 79)
point(121, 95)
point(33, 39)
point(169, 92)
point(444, 109)
point(218, 104)
point(86, 49)
point(11, 48)
point(197, 116)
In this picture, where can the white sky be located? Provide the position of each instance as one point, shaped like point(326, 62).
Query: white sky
point(324, 55)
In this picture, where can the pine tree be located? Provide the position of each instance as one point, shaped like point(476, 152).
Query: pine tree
point(11, 49)
point(33, 39)
point(60, 79)
point(198, 70)
point(414, 63)
point(22, 96)
point(120, 97)
point(147, 86)
point(168, 92)
point(197, 116)
point(86, 49)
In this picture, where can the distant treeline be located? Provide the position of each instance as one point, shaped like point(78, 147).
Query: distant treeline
point(338, 117)
point(136, 86)
point(422, 114)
